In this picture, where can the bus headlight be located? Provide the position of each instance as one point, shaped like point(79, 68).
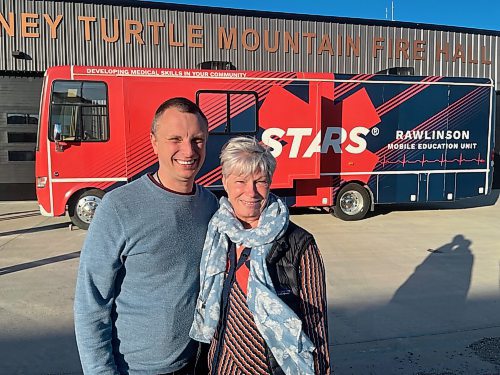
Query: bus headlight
point(41, 182)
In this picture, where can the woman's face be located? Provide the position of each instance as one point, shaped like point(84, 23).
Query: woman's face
point(248, 196)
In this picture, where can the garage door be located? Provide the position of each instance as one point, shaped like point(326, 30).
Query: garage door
point(20, 98)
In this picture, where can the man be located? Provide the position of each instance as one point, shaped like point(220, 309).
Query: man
point(139, 269)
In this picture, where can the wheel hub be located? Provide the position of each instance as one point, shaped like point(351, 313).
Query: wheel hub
point(351, 202)
point(86, 207)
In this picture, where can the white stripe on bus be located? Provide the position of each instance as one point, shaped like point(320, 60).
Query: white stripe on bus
point(90, 179)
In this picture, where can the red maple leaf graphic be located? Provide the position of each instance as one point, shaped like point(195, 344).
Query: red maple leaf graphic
point(356, 110)
point(281, 109)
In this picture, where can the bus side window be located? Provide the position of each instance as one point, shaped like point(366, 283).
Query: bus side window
point(229, 112)
point(243, 112)
point(214, 107)
point(81, 108)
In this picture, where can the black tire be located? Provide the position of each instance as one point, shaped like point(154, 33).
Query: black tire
point(81, 208)
point(352, 202)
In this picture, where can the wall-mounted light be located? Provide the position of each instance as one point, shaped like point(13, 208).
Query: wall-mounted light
point(20, 55)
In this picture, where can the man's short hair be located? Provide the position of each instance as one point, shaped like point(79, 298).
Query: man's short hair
point(183, 105)
point(246, 156)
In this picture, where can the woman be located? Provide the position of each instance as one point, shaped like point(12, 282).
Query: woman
point(262, 303)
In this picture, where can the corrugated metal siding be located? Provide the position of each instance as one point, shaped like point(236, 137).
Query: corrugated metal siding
point(71, 48)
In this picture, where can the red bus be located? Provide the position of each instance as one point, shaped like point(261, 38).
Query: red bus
point(347, 142)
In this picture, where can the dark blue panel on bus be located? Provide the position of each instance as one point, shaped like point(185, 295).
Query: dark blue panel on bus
point(436, 190)
point(468, 184)
point(450, 185)
point(397, 188)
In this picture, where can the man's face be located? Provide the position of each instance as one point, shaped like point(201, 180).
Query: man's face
point(179, 142)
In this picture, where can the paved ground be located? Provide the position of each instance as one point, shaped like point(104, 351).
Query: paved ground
point(410, 291)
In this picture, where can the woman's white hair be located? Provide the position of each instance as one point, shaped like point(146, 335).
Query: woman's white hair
point(246, 156)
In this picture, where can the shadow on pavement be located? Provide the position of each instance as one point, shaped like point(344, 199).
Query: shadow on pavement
point(384, 209)
point(41, 354)
point(38, 263)
point(431, 299)
point(20, 216)
point(473, 202)
point(308, 210)
point(437, 290)
point(431, 302)
point(29, 212)
point(34, 229)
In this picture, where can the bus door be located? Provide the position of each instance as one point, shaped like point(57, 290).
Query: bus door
point(84, 152)
point(230, 113)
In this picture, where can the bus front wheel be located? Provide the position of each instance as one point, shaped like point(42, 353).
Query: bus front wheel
point(352, 203)
point(82, 209)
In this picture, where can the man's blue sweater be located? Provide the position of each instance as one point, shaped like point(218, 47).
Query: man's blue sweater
point(139, 279)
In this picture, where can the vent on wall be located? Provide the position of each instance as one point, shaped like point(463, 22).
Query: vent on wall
point(216, 65)
point(399, 71)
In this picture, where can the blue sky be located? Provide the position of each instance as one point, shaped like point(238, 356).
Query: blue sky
point(481, 14)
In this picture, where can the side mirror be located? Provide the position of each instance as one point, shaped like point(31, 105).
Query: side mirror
point(58, 138)
point(57, 132)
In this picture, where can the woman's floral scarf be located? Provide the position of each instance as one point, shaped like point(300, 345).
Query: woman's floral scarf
point(278, 324)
